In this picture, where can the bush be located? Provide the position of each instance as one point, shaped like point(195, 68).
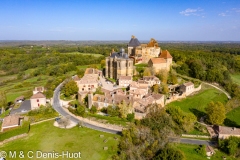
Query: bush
point(93, 110)
point(16, 131)
point(201, 150)
point(113, 111)
point(130, 117)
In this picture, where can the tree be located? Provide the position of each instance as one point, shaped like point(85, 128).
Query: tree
point(155, 88)
point(231, 145)
point(163, 76)
point(216, 113)
point(201, 150)
point(113, 111)
point(93, 110)
point(165, 89)
point(64, 122)
point(70, 88)
point(124, 109)
point(184, 120)
point(3, 100)
point(147, 72)
point(130, 117)
point(81, 111)
point(103, 63)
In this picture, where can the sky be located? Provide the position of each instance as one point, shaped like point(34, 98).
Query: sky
point(163, 20)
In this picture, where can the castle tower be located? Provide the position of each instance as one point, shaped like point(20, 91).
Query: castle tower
point(132, 45)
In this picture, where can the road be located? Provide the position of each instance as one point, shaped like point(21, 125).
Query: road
point(60, 110)
point(196, 141)
point(227, 94)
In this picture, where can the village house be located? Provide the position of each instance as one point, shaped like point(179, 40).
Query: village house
point(187, 88)
point(38, 89)
point(124, 81)
point(163, 62)
point(37, 100)
point(225, 132)
point(11, 121)
point(88, 83)
point(151, 80)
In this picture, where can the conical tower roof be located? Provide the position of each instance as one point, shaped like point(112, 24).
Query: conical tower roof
point(134, 42)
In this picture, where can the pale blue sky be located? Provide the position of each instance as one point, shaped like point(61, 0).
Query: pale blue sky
point(164, 20)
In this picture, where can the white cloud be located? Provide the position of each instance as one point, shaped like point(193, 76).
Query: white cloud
point(190, 12)
point(222, 14)
point(236, 10)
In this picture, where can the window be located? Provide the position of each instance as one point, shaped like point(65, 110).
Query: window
point(37, 100)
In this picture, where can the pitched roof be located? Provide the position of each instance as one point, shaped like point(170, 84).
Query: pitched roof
point(125, 78)
point(39, 89)
point(152, 43)
point(158, 60)
point(165, 54)
point(11, 120)
point(229, 130)
point(38, 95)
point(134, 42)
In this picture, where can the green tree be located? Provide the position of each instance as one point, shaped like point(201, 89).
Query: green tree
point(93, 110)
point(103, 63)
point(3, 100)
point(155, 88)
point(124, 109)
point(147, 72)
point(81, 111)
point(70, 88)
point(216, 113)
point(201, 150)
point(163, 76)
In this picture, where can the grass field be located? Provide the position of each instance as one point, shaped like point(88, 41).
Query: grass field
point(47, 138)
point(17, 88)
point(236, 78)
point(191, 154)
point(196, 103)
point(10, 77)
point(233, 119)
point(93, 54)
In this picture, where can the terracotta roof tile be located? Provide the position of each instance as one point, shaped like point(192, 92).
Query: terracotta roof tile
point(165, 54)
point(38, 95)
point(158, 60)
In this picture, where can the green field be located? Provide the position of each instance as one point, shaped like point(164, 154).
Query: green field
point(6, 78)
point(191, 154)
point(236, 78)
point(233, 119)
point(196, 103)
point(47, 138)
point(92, 54)
point(17, 88)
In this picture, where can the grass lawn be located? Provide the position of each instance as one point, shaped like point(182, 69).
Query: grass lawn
point(47, 138)
point(233, 119)
point(236, 78)
point(196, 103)
point(191, 154)
point(14, 88)
point(87, 66)
point(92, 54)
point(111, 120)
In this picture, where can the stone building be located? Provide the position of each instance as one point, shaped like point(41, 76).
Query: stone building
point(142, 53)
point(187, 88)
point(37, 100)
point(118, 64)
point(124, 81)
point(163, 62)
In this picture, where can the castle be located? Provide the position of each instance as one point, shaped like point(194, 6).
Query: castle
point(142, 53)
point(121, 63)
point(118, 64)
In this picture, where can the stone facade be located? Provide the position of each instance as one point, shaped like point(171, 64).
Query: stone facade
point(226, 132)
point(187, 88)
point(124, 81)
point(142, 53)
point(163, 62)
point(37, 100)
point(118, 64)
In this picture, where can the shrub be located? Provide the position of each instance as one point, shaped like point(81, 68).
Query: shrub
point(16, 131)
point(130, 117)
point(93, 110)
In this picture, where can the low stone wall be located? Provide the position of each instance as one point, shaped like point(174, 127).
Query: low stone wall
point(13, 138)
point(198, 88)
point(195, 136)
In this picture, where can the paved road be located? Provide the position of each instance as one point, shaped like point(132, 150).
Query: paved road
point(24, 107)
point(199, 142)
point(60, 110)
